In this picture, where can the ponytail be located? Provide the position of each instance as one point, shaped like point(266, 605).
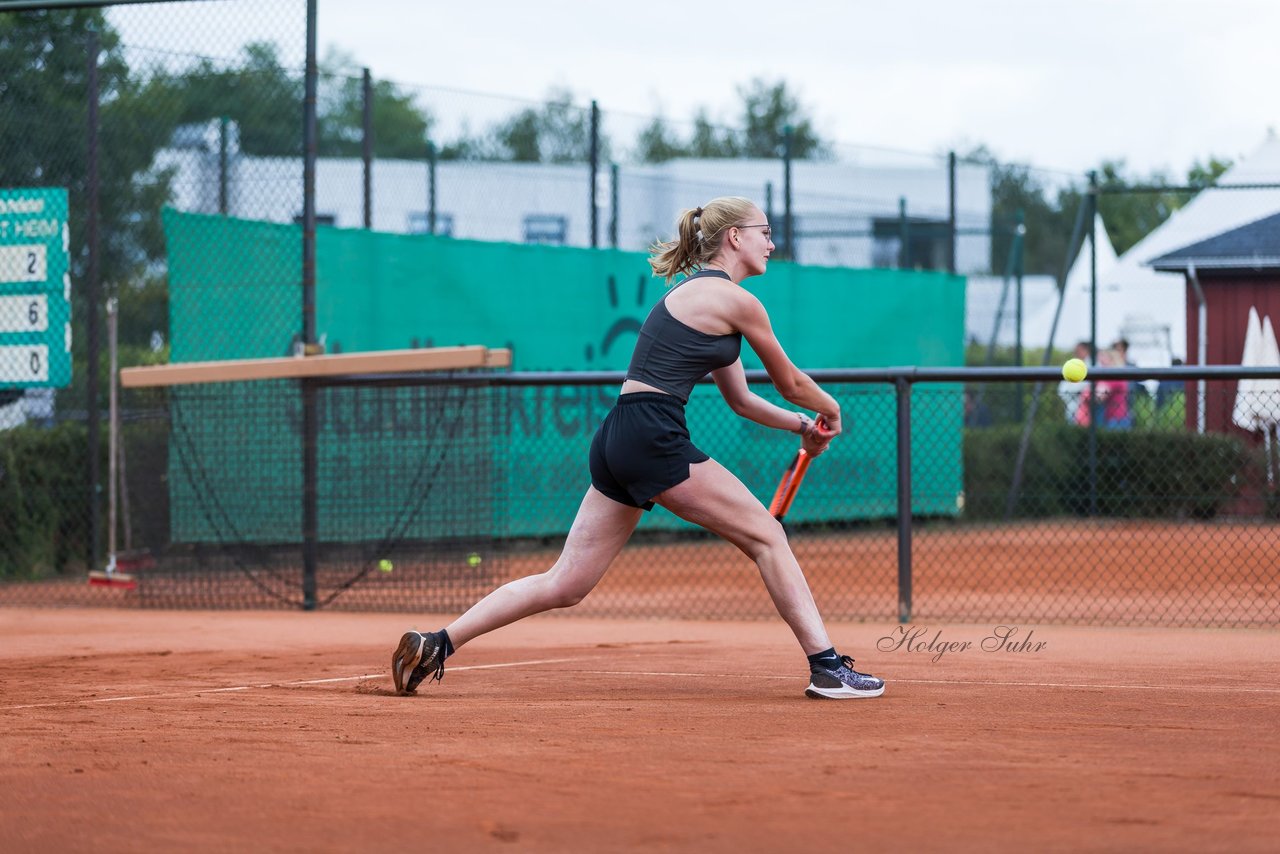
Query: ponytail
point(700, 234)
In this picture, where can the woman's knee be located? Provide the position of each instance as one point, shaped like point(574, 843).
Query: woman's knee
point(563, 592)
point(766, 537)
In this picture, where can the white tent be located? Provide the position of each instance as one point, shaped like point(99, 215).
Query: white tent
point(1073, 323)
point(1146, 307)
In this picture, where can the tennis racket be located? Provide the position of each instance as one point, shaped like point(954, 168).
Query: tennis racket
point(786, 492)
point(791, 478)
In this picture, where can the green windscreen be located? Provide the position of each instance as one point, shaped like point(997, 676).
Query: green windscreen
point(563, 309)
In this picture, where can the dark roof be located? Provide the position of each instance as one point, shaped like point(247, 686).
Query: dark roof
point(1255, 246)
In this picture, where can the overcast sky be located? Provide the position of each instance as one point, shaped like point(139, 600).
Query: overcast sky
point(1061, 85)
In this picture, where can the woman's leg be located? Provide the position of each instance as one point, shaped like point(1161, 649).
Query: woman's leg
point(713, 498)
point(600, 530)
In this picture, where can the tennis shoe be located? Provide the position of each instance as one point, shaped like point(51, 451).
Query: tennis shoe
point(419, 655)
point(842, 682)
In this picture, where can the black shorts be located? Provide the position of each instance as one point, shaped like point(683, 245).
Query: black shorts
point(642, 449)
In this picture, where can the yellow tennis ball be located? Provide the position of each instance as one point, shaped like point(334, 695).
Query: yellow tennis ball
point(473, 560)
point(386, 565)
point(1074, 370)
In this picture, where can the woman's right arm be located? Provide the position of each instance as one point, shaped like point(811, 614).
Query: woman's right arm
point(750, 318)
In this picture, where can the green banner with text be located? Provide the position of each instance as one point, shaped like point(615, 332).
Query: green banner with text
point(562, 308)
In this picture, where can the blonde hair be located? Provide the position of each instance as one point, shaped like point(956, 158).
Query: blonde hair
point(700, 233)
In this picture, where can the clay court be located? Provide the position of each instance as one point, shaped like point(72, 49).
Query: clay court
point(157, 730)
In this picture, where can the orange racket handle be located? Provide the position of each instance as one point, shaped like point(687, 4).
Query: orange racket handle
point(786, 492)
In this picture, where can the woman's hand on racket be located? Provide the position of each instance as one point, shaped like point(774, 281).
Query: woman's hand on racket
point(817, 438)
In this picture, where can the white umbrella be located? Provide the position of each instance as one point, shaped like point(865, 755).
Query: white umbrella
point(1267, 406)
point(1258, 401)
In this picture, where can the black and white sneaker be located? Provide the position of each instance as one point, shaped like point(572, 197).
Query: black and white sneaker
point(842, 682)
point(418, 656)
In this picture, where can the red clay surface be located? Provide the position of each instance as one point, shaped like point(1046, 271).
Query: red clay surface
point(128, 730)
point(1113, 572)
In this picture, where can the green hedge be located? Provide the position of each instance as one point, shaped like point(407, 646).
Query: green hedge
point(1140, 473)
point(44, 515)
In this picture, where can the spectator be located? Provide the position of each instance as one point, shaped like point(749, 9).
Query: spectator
point(1074, 394)
point(1121, 348)
point(1112, 396)
point(1167, 390)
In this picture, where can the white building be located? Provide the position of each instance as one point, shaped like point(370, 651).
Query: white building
point(844, 215)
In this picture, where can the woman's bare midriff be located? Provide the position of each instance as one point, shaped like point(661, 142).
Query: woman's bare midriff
point(630, 386)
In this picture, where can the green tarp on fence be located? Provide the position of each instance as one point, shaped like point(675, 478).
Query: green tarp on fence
point(560, 308)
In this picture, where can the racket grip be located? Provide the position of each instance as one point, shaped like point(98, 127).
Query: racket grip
point(790, 483)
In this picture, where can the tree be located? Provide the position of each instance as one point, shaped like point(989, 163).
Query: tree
point(400, 127)
point(656, 143)
point(1016, 188)
point(767, 110)
point(260, 95)
point(708, 140)
point(1131, 215)
point(556, 132)
point(1204, 174)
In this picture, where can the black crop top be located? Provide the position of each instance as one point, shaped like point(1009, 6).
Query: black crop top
point(672, 356)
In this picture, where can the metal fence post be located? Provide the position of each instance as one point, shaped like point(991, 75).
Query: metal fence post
point(223, 189)
point(91, 298)
point(595, 168)
point(788, 226)
point(366, 145)
point(951, 212)
point(904, 235)
point(1094, 412)
point(903, 388)
point(310, 422)
point(431, 187)
point(613, 205)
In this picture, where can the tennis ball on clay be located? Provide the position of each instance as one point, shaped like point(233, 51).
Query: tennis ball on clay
point(1074, 370)
point(473, 560)
point(386, 565)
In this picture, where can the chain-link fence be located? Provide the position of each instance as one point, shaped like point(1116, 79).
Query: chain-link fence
point(152, 171)
point(99, 140)
point(1097, 503)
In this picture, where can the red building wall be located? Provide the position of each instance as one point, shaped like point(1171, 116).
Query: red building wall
point(1228, 299)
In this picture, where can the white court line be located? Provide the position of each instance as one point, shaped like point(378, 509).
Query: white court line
point(198, 691)
point(1225, 689)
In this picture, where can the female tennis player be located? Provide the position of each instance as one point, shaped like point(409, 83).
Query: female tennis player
point(642, 454)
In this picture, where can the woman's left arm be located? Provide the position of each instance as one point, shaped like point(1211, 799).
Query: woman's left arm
point(732, 382)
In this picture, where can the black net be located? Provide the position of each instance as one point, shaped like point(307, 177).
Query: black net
point(405, 510)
